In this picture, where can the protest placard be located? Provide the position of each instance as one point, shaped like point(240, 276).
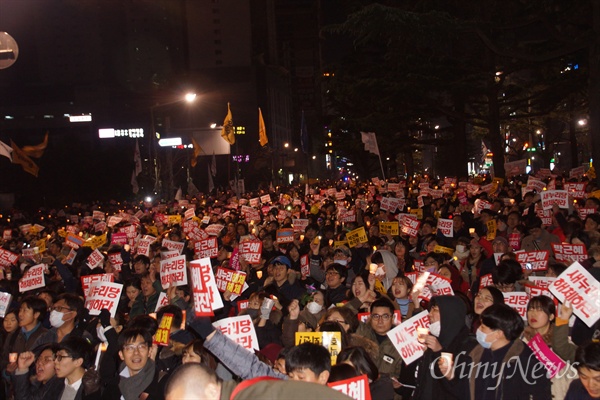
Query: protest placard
point(98, 215)
point(240, 329)
point(284, 236)
point(173, 272)
point(346, 216)
point(551, 197)
point(332, 341)
point(73, 241)
point(441, 286)
point(534, 260)
point(485, 281)
point(5, 299)
point(33, 278)
point(228, 279)
point(445, 226)
point(300, 224)
point(404, 337)
point(491, 229)
point(545, 355)
point(410, 226)
point(161, 337)
point(576, 190)
point(389, 228)
point(356, 237)
point(143, 247)
point(515, 168)
point(569, 253)
point(7, 258)
point(518, 301)
point(251, 251)
point(206, 248)
point(163, 300)
point(584, 212)
point(577, 286)
point(357, 388)
point(173, 246)
point(534, 184)
point(205, 293)
point(443, 249)
point(577, 172)
point(30, 252)
point(95, 259)
point(87, 280)
point(103, 295)
point(265, 199)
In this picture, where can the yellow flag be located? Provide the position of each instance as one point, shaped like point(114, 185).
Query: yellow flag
point(38, 150)
point(227, 132)
point(262, 131)
point(197, 151)
point(19, 157)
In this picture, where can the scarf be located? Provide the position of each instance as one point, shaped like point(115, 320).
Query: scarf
point(131, 387)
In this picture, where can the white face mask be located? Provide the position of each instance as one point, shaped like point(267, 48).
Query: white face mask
point(56, 319)
point(314, 307)
point(100, 333)
point(460, 248)
point(379, 271)
point(343, 262)
point(434, 328)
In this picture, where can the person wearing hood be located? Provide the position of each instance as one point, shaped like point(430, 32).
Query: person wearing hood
point(387, 267)
point(448, 334)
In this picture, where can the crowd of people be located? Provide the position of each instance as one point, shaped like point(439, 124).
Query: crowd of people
point(317, 271)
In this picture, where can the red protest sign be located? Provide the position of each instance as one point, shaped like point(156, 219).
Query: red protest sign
point(161, 337)
point(356, 388)
point(445, 226)
point(204, 288)
point(305, 266)
point(228, 279)
point(569, 253)
point(534, 260)
point(251, 251)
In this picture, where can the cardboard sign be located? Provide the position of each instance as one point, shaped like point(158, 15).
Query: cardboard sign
point(251, 251)
point(240, 329)
point(569, 253)
point(389, 228)
point(284, 236)
point(446, 227)
point(103, 295)
point(577, 286)
point(518, 301)
point(551, 361)
point(206, 248)
point(551, 197)
point(173, 246)
point(228, 279)
point(405, 339)
point(534, 260)
point(441, 286)
point(161, 337)
point(33, 278)
point(356, 388)
point(332, 341)
point(410, 227)
point(204, 288)
point(95, 259)
point(576, 190)
point(304, 266)
point(143, 247)
point(485, 281)
point(214, 229)
point(173, 272)
point(356, 237)
point(87, 280)
point(5, 299)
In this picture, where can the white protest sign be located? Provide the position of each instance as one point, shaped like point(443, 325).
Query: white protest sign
point(404, 337)
point(95, 259)
point(33, 278)
point(173, 272)
point(577, 286)
point(240, 329)
point(87, 280)
point(5, 299)
point(172, 245)
point(163, 300)
point(204, 288)
point(103, 295)
point(551, 197)
point(445, 226)
point(518, 301)
point(206, 248)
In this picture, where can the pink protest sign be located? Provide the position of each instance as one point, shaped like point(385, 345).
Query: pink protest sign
point(251, 251)
point(551, 361)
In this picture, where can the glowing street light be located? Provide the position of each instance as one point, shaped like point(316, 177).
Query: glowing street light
point(190, 97)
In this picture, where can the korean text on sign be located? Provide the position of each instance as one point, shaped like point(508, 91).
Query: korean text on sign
point(173, 272)
point(569, 253)
point(405, 339)
point(518, 301)
point(239, 329)
point(228, 279)
point(87, 280)
point(356, 388)
point(534, 260)
point(204, 288)
point(33, 278)
point(206, 248)
point(102, 295)
point(577, 286)
point(251, 251)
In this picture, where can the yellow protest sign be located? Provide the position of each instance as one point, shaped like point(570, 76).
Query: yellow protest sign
point(62, 233)
point(98, 241)
point(442, 249)
point(595, 194)
point(152, 230)
point(339, 243)
point(356, 237)
point(161, 337)
point(332, 341)
point(174, 219)
point(418, 212)
point(491, 229)
point(41, 245)
point(389, 228)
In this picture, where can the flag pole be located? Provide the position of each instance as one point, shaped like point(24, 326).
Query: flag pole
point(379, 155)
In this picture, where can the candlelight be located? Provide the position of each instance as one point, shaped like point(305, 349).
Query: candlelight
point(373, 268)
point(259, 274)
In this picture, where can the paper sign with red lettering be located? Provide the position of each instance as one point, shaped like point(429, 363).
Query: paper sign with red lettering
point(251, 251)
point(73, 241)
point(551, 361)
point(551, 197)
point(285, 236)
point(515, 167)
point(33, 278)
point(5, 299)
point(163, 300)
point(347, 215)
point(404, 337)
point(115, 260)
point(576, 190)
point(514, 241)
point(173, 246)
point(119, 238)
point(98, 215)
point(481, 205)
point(569, 253)
point(534, 184)
point(577, 172)
point(143, 247)
point(534, 260)
point(300, 224)
point(584, 212)
point(71, 257)
point(228, 279)
point(410, 226)
point(214, 229)
point(240, 329)
point(113, 220)
point(205, 293)
point(485, 281)
point(189, 214)
point(518, 301)
point(543, 282)
point(304, 266)
point(7, 258)
point(445, 226)
point(441, 286)
point(87, 280)
point(95, 259)
point(356, 388)
point(161, 337)
point(173, 272)
point(265, 199)
point(7, 234)
point(577, 286)
point(206, 248)
point(166, 255)
point(30, 252)
point(103, 295)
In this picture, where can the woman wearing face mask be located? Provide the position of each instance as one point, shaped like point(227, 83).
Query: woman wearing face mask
point(518, 373)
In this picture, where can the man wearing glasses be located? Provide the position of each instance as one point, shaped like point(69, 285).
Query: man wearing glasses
point(71, 360)
point(64, 318)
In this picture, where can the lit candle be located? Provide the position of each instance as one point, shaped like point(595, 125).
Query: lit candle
point(373, 268)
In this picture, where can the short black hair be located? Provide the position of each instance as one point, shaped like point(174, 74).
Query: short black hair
point(143, 259)
point(504, 318)
point(310, 356)
point(37, 305)
point(74, 302)
point(588, 356)
point(382, 302)
point(507, 272)
point(145, 322)
point(78, 347)
point(130, 334)
point(361, 360)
